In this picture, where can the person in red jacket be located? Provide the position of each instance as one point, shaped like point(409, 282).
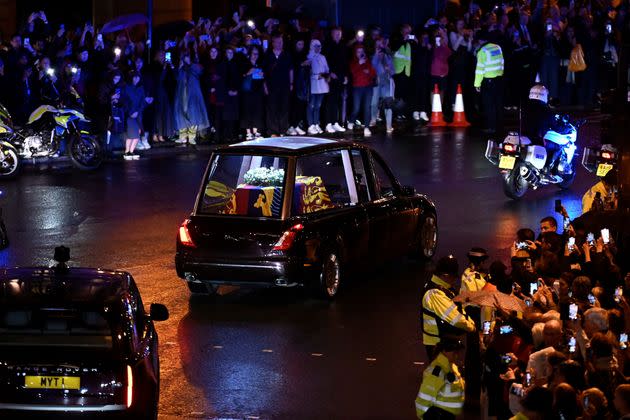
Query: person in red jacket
point(363, 77)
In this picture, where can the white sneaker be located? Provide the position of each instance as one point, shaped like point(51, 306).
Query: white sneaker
point(424, 116)
point(366, 132)
point(312, 130)
point(299, 131)
point(319, 129)
point(249, 136)
point(350, 126)
point(180, 141)
point(257, 134)
point(140, 145)
point(192, 141)
point(339, 128)
point(291, 132)
point(330, 129)
point(146, 144)
point(416, 115)
point(390, 130)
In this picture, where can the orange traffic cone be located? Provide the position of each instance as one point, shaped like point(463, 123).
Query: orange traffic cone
point(459, 117)
point(437, 119)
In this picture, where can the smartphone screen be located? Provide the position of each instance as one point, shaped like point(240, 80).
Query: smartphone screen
point(167, 57)
point(591, 299)
point(590, 238)
point(528, 379)
point(505, 329)
point(486, 327)
point(573, 311)
point(549, 27)
point(571, 244)
point(618, 294)
point(605, 235)
point(99, 37)
point(572, 344)
point(623, 341)
point(506, 359)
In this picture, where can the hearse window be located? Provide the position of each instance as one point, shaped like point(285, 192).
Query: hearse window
point(324, 181)
point(384, 183)
point(244, 185)
point(360, 177)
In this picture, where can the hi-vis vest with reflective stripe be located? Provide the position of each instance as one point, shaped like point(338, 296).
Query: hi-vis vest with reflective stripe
point(440, 315)
point(489, 63)
point(402, 59)
point(442, 387)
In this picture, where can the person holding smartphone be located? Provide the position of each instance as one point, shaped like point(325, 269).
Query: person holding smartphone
point(363, 76)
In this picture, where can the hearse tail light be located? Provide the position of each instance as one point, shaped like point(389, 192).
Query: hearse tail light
point(287, 238)
point(129, 386)
point(184, 235)
point(510, 148)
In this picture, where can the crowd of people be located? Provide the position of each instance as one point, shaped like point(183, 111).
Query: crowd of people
point(551, 330)
point(246, 75)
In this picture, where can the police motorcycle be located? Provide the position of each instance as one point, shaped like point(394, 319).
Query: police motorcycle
point(523, 165)
point(49, 133)
point(600, 160)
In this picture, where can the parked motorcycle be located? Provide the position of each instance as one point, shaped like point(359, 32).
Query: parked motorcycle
point(49, 133)
point(522, 164)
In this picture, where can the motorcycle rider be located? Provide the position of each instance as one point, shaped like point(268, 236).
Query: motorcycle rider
point(539, 118)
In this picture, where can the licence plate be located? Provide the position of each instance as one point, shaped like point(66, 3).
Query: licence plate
point(603, 169)
point(507, 162)
point(52, 382)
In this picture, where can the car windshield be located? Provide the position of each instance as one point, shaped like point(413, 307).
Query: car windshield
point(244, 185)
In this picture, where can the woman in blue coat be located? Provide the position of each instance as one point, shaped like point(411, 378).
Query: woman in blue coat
point(134, 103)
point(190, 108)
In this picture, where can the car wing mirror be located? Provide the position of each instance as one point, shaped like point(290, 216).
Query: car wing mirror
point(158, 312)
point(408, 191)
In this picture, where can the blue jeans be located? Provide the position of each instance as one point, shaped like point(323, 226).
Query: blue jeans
point(361, 102)
point(314, 104)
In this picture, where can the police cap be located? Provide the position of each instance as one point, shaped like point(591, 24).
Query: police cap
point(447, 265)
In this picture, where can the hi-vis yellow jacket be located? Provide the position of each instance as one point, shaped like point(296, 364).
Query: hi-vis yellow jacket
point(438, 308)
point(472, 281)
point(489, 63)
point(442, 387)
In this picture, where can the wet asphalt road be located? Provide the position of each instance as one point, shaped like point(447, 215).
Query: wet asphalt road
point(273, 353)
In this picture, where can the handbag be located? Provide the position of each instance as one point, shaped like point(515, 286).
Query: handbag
point(576, 60)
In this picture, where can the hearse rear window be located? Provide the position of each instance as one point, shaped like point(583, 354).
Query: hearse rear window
point(244, 185)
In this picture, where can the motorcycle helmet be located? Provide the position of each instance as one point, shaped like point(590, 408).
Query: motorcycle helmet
point(539, 93)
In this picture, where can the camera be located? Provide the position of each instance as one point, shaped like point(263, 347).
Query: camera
point(521, 245)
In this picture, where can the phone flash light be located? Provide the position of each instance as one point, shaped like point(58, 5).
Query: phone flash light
point(250, 23)
point(360, 33)
point(50, 72)
point(117, 51)
point(74, 70)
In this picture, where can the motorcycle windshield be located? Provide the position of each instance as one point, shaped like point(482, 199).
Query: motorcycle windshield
point(5, 117)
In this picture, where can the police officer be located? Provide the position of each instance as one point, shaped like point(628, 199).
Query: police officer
point(441, 394)
point(489, 81)
point(474, 278)
point(440, 315)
